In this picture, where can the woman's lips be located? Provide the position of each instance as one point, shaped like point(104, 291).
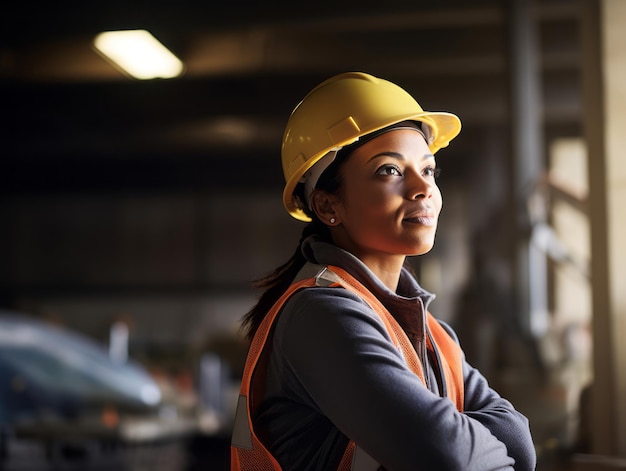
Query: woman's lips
point(425, 219)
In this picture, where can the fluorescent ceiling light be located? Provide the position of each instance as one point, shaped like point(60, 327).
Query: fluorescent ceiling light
point(139, 54)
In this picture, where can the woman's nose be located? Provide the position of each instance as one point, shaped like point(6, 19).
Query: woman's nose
point(418, 186)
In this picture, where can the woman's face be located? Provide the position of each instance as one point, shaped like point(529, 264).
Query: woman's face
point(389, 204)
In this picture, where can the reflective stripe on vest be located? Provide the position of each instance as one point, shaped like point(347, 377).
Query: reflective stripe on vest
point(248, 452)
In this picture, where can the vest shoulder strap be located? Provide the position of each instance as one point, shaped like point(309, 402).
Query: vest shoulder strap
point(451, 356)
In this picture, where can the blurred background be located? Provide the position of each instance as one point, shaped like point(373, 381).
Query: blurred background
point(134, 214)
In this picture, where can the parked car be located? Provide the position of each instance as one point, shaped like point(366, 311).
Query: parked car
point(50, 373)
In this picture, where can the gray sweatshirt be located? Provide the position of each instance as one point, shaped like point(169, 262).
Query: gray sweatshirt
point(333, 373)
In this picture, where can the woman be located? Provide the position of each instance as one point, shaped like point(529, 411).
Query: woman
point(347, 368)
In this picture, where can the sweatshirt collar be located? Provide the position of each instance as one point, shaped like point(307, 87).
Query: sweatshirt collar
point(325, 253)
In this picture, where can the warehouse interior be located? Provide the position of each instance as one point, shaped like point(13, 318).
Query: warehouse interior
point(137, 213)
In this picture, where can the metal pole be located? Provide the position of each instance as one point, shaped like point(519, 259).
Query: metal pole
point(527, 140)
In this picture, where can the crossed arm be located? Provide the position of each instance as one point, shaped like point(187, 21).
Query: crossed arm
point(346, 366)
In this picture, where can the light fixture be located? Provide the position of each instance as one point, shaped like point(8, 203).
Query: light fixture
point(139, 54)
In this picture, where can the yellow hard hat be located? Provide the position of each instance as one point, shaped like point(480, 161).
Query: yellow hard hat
point(338, 112)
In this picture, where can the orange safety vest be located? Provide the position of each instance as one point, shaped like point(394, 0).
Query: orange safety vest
point(247, 451)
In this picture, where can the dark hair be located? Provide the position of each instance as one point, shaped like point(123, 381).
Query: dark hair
point(277, 282)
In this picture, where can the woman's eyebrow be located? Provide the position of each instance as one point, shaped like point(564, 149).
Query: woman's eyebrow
point(397, 155)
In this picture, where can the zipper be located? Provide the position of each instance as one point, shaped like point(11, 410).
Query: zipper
point(423, 350)
point(441, 377)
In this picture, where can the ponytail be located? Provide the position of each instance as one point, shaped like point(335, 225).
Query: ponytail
point(277, 282)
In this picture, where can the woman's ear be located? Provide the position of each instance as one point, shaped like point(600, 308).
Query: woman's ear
point(324, 204)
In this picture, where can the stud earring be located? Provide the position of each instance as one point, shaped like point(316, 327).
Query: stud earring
point(332, 220)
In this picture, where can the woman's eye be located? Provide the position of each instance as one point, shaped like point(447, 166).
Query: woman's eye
point(389, 171)
point(432, 171)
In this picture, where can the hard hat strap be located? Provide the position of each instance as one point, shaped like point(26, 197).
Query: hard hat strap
point(311, 177)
